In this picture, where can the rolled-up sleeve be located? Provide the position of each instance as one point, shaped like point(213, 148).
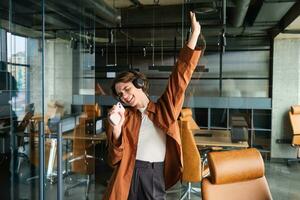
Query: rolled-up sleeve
point(115, 148)
point(173, 96)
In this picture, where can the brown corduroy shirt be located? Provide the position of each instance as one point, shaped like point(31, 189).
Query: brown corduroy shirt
point(164, 114)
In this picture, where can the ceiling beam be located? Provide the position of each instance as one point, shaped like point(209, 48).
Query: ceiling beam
point(105, 11)
point(89, 15)
point(290, 16)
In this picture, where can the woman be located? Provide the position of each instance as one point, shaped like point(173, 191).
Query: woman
point(145, 147)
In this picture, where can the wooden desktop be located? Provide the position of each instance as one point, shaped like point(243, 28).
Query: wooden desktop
point(216, 138)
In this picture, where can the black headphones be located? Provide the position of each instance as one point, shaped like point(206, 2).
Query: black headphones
point(138, 82)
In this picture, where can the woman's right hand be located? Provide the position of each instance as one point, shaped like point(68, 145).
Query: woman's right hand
point(117, 128)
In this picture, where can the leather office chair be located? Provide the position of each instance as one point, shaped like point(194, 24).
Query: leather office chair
point(235, 175)
point(20, 133)
point(294, 116)
point(186, 114)
point(191, 160)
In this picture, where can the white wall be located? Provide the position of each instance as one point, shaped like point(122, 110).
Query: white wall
point(34, 57)
point(58, 72)
point(286, 92)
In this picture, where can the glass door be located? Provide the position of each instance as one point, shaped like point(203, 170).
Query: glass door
point(21, 106)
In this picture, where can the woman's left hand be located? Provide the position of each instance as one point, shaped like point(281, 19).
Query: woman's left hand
point(195, 25)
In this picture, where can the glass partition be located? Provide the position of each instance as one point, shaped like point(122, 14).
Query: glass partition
point(21, 100)
point(58, 59)
point(73, 130)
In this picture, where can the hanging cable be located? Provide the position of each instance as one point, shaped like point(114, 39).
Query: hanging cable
point(106, 53)
point(153, 31)
point(223, 33)
point(162, 51)
point(161, 45)
point(182, 23)
point(127, 48)
point(115, 39)
point(115, 47)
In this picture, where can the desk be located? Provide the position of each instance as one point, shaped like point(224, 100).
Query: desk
point(51, 146)
point(216, 138)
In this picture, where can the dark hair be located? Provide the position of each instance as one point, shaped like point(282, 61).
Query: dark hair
point(130, 76)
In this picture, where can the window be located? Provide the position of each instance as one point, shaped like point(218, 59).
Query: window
point(18, 67)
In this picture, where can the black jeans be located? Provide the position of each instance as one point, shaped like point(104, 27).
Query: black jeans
point(147, 181)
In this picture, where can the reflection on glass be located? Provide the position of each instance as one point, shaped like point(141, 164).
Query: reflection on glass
point(20, 100)
point(16, 49)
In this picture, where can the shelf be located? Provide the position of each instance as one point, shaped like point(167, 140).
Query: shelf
point(259, 129)
point(262, 119)
point(215, 113)
point(199, 102)
point(229, 102)
point(218, 128)
point(262, 139)
point(201, 117)
point(218, 117)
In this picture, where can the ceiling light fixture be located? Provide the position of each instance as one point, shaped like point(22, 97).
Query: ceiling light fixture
point(206, 8)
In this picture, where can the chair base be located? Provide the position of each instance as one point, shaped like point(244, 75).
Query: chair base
point(81, 182)
point(21, 156)
point(190, 190)
point(31, 178)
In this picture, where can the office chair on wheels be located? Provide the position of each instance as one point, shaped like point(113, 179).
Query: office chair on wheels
point(83, 161)
point(194, 168)
point(186, 114)
point(294, 115)
point(192, 163)
point(20, 133)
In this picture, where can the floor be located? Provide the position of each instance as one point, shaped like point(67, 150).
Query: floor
point(283, 181)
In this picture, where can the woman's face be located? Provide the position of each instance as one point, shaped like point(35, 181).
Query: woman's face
point(129, 94)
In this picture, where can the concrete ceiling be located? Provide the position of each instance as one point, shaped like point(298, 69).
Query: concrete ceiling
point(249, 24)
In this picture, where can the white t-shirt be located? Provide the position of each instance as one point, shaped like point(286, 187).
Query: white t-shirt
point(152, 141)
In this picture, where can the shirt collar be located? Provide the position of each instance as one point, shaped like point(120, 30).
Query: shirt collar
point(151, 107)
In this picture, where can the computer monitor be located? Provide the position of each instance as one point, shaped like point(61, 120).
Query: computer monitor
point(94, 126)
point(99, 126)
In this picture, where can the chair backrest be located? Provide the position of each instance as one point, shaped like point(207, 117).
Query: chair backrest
point(235, 175)
point(92, 110)
point(186, 114)
point(83, 148)
point(25, 121)
point(294, 115)
point(191, 156)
